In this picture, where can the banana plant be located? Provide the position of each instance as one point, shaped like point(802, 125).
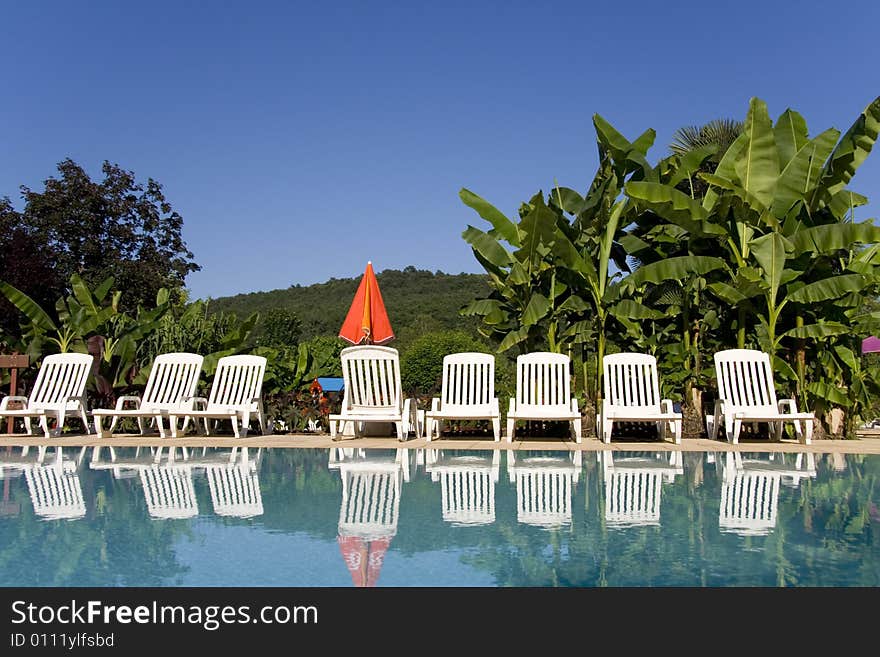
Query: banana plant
point(79, 316)
point(527, 302)
point(779, 214)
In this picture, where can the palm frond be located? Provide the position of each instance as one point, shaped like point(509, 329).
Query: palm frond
point(720, 132)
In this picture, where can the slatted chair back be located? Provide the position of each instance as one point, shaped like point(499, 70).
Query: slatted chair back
point(174, 377)
point(543, 383)
point(630, 380)
point(238, 383)
point(371, 376)
point(745, 380)
point(61, 381)
point(468, 383)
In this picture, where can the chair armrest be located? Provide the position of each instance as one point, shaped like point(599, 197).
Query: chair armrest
point(127, 398)
point(574, 405)
point(4, 403)
point(511, 409)
point(787, 406)
point(195, 402)
point(435, 404)
point(666, 406)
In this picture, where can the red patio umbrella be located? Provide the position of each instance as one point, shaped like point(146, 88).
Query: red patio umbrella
point(367, 320)
point(363, 557)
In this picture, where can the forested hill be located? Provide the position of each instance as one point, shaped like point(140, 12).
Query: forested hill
point(417, 301)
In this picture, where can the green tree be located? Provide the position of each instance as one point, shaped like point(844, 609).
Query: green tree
point(278, 327)
point(421, 365)
point(113, 227)
point(25, 265)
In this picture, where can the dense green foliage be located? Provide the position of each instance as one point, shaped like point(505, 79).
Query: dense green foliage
point(116, 227)
point(417, 301)
point(765, 252)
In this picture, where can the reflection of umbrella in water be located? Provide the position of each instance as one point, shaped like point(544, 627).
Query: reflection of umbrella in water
point(367, 320)
point(363, 557)
point(371, 487)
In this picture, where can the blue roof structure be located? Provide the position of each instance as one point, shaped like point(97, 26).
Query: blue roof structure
point(331, 383)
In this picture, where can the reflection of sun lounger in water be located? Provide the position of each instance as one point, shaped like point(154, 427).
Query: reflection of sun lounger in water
point(368, 514)
point(168, 486)
point(544, 486)
point(467, 484)
point(233, 479)
point(750, 489)
point(53, 482)
point(633, 483)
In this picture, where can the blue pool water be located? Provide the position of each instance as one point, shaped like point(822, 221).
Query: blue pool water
point(414, 518)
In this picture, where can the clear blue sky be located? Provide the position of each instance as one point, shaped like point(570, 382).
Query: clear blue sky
point(300, 140)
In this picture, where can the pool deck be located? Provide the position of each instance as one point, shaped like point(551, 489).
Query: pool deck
point(867, 442)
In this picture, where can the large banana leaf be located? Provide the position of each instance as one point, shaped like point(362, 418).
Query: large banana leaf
point(629, 309)
point(830, 238)
point(844, 202)
point(488, 247)
point(31, 309)
point(491, 310)
point(727, 293)
point(514, 338)
point(849, 154)
point(727, 168)
point(828, 392)
point(568, 199)
point(829, 288)
point(674, 206)
point(536, 310)
point(817, 331)
point(790, 134)
point(538, 228)
point(758, 168)
point(502, 226)
point(85, 296)
point(690, 163)
point(745, 196)
point(769, 250)
point(801, 174)
point(672, 269)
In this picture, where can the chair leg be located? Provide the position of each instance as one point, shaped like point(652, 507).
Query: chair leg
point(733, 436)
point(85, 419)
point(511, 429)
point(716, 422)
point(401, 434)
point(160, 425)
point(808, 432)
point(496, 428)
point(607, 427)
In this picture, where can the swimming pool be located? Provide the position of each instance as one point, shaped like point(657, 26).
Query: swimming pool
point(305, 517)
